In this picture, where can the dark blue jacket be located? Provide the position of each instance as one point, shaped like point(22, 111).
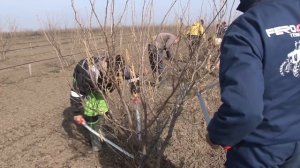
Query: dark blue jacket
point(260, 77)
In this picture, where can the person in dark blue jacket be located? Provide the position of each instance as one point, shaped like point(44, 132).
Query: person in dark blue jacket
point(260, 87)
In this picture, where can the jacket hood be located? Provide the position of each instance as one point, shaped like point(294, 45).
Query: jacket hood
point(247, 4)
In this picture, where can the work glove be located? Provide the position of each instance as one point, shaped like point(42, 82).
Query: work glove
point(78, 119)
point(214, 146)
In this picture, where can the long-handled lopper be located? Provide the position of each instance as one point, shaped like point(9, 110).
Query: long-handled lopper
point(204, 108)
point(83, 123)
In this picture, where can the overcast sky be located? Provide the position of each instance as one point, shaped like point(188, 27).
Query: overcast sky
point(34, 14)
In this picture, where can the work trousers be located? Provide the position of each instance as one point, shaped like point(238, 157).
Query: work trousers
point(156, 56)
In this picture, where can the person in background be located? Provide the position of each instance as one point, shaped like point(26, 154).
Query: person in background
point(162, 42)
point(195, 34)
point(221, 29)
point(259, 78)
point(92, 79)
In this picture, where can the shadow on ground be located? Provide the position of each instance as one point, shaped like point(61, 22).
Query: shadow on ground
point(79, 141)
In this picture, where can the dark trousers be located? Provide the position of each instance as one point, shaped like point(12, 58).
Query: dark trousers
point(156, 59)
point(273, 156)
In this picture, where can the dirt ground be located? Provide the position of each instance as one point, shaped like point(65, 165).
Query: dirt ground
point(37, 128)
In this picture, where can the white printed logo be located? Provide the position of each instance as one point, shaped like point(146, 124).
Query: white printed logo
point(292, 30)
point(292, 63)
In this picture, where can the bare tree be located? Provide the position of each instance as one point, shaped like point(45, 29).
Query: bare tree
point(6, 39)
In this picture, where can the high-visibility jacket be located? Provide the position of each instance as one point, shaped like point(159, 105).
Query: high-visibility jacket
point(95, 105)
point(196, 29)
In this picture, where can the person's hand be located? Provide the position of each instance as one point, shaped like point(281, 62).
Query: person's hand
point(78, 119)
point(212, 145)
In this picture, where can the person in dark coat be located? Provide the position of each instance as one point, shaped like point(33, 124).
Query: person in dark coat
point(259, 78)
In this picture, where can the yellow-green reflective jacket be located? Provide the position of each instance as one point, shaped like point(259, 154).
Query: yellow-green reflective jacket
point(196, 29)
point(95, 105)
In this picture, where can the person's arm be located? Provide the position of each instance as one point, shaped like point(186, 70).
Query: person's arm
point(242, 85)
point(77, 93)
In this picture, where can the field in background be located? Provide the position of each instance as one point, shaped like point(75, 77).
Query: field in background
point(36, 127)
